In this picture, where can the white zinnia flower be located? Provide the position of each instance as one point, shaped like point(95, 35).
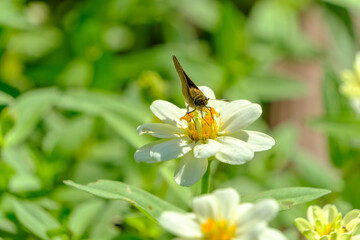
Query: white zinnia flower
point(219, 216)
point(196, 137)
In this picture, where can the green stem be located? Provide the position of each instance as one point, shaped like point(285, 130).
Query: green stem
point(205, 181)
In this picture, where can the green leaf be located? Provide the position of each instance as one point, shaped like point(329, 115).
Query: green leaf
point(340, 127)
point(274, 88)
point(82, 216)
point(29, 108)
point(315, 173)
point(97, 103)
point(340, 36)
point(11, 16)
point(123, 116)
point(113, 212)
point(124, 129)
point(230, 34)
point(203, 13)
point(5, 98)
point(21, 160)
point(267, 88)
point(159, 58)
point(276, 24)
point(66, 134)
point(6, 225)
point(334, 102)
point(289, 197)
point(345, 3)
point(167, 172)
point(35, 44)
point(34, 218)
point(151, 205)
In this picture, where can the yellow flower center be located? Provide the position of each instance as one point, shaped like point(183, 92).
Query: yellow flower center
point(325, 231)
point(218, 230)
point(329, 228)
point(202, 124)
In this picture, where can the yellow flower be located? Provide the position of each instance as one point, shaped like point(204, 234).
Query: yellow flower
point(351, 84)
point(327, 224)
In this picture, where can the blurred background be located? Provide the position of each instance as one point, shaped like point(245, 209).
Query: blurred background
point(78, 77)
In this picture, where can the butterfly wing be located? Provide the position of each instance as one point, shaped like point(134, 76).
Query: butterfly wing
point(187, 86)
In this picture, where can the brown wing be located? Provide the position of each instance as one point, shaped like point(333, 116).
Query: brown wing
point(186, 82)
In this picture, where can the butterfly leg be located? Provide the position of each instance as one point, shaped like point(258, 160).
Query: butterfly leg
point(209, 108)
point(202, 116)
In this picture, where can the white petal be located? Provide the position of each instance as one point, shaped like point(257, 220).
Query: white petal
point(234, 151)
point(143, 153)
point(160, 130)
point(231, 107)
point(250, 233)
point(180, 225)
point(228, 200)
point(167, 112)
point(205, 207)
point(208, 92)
point(190, 170)
point(243, 208)
point(271, 234)
point(240, 118)
point(208, 149)
point(171, 149)
point(262, 211)
point(218, 104)
point(258, 141)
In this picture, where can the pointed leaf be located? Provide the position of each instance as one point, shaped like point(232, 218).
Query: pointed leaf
point(289, 197)
point(5, 98)
point(149, 204)
point(82, 216)
point(29, 108)
point(36, 219)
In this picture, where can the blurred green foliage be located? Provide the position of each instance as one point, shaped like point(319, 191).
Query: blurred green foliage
point(77, 78)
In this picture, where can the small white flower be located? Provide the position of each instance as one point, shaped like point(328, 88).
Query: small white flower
point(219, 216)
point(196, 137)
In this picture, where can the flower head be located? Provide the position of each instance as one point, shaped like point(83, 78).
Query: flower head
point(351, 84)
point(219, 216)
point(216, 131)
point(327, 224)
